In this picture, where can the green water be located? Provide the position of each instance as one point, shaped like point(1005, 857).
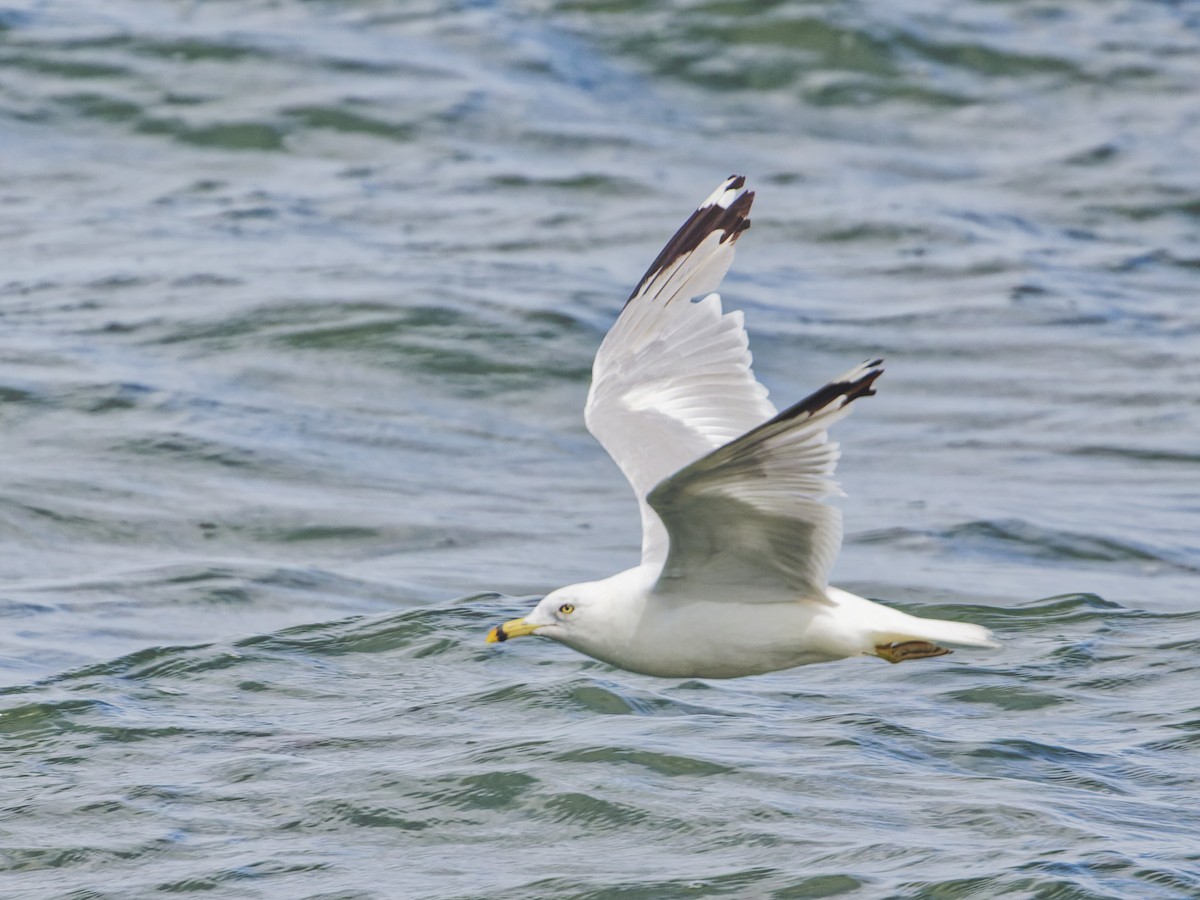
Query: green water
point(297, 309)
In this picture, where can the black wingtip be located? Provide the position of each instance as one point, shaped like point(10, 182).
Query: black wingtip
point(848, 390)
point(738, 211)
point(731, 220)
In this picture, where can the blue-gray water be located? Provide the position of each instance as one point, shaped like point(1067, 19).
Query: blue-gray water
point(297, 307)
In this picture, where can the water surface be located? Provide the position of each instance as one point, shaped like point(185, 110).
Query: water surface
point(297, 310)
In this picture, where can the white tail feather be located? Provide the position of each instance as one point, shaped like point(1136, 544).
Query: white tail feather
point(885, 625)
point(937, 631)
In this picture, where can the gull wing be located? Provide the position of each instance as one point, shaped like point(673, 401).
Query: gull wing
point(672, 379)
point(749, 517)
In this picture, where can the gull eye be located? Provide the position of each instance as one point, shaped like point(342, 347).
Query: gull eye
point(567, 608)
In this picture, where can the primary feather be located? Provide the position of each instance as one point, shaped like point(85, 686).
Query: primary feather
point(672, 379)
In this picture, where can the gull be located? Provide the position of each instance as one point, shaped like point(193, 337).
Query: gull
point(737, 537)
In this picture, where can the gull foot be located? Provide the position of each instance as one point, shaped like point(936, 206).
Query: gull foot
point(895, 653)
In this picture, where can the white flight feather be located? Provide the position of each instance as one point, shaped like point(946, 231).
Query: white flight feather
point(672, 379)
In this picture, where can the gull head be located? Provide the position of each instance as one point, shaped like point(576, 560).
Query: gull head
point(598, 618)
point(557, 616)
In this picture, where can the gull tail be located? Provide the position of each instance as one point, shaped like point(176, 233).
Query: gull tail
point(897, 636)
point(915, 628)
point(912, 637)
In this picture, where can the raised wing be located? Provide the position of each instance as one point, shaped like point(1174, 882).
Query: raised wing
point(672, 379)
point(750, 515)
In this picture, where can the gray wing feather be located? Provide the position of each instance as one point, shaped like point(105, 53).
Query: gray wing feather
point(751, 513)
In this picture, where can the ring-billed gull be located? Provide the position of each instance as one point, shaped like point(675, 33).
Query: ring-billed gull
point(737, 539)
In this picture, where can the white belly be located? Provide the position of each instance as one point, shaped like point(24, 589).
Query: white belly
point(715, 639)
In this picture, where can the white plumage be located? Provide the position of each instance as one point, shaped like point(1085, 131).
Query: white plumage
point(737, 539)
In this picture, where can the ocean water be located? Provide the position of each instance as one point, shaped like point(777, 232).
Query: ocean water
point(298, 303)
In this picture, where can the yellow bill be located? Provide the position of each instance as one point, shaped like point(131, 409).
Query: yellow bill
point(515, 628)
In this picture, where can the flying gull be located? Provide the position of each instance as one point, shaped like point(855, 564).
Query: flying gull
point(737, 536)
